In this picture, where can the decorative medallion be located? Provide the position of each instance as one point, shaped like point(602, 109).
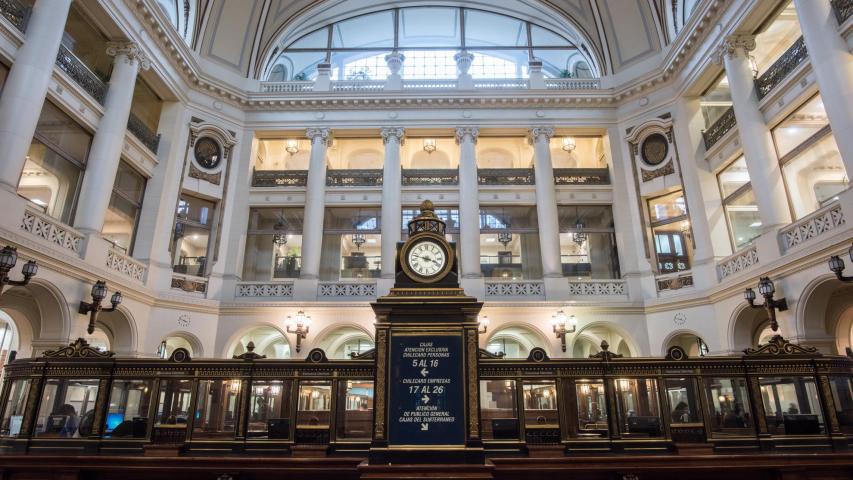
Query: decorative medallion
point(676, 353)
point(207, 152)
point(317, 356)
point(538, 355)
point(180, 355)
point(654, 149)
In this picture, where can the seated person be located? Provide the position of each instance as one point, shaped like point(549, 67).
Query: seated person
point(734, 418)
point(69, 428)
point(681, 414)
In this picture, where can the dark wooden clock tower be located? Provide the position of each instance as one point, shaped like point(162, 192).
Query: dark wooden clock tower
point(427, 396)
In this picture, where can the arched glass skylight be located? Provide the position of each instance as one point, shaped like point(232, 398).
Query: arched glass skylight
point(429, 38)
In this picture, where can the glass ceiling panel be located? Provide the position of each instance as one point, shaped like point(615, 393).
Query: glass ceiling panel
point(484, 29)
point(299, 65)
point(366, 31)
point(558, 63)
point(429, 27)
point(318, 39)
point(547, 38)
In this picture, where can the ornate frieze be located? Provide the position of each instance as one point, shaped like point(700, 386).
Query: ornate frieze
point(597, 288)
point(649, 175)
point(781, 346)
point(271, 289)
point(343, 290)
point(187, 284)
point(77, 349)
point(213, 178)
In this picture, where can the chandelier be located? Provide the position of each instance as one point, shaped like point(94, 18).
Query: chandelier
point(429, 145)
point(292, 147)
point(279, 239)
point(358, 240)
point(504, 238)
point(569, 144)
point(579, 236)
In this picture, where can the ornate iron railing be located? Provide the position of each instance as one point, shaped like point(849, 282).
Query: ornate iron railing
point(843, 10)
point(721, 127)
point(780, 69)
point(581, 176)
point(437, 176)
point(81, 74)
point(354, 178)
point(279, 178)
point(506, 176)
point(16, 13)
point(143, 133)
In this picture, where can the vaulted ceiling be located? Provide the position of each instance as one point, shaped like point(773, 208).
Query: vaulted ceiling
point(236, 34)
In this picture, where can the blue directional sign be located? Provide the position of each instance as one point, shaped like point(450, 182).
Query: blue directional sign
point(427, 390)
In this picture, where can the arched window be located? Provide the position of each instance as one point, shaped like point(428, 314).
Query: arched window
point(267, 341)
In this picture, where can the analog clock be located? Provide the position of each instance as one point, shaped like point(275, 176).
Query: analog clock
point(426, 258)
point(207, 153)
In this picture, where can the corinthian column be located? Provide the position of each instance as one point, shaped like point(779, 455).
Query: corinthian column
point(392, 208)
point(469, 203)
point(26, 87)
point(762, 164)
point(315, 203)
point(107, 144)
point(546, 202)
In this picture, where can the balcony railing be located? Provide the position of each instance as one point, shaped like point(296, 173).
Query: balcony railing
point(80, 73)
point(827, 219)
point(506, 176)
point(279, 178)
point(143, 133)
point(431, 84)
point(287, 87)
point(264, 289)
point(522, 288)
point(571, 83)
point(843, 10)
point(354, 178)
point(720, 128)
point(581, 176)
point(16, 13)
point(780, 69)
point(502, 83)
point(358, 86)
point(438, 176)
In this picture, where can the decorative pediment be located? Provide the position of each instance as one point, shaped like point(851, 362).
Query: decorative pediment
point(485, 354)
point(780, 346)
point(250, 353)
point(605, 354)
point(79, 348)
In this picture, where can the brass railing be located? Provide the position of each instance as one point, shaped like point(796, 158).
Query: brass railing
point(506, 176)
point(354, 178)
point(279, 178)
point(843, 10)
point(721, 127)
point(581, 176)
point(16, 13)
point(780, 69)
point(143, 133)
point(434, 176)
point(81, 74)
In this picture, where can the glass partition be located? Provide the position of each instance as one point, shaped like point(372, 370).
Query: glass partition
point(273, 244)
point(352, 244)
point(192, 233)
point(592, 409)
point(842, 398)
point(791, 405)
point(216, 409)
point(671, 232)
point(67, 408)
point(540, 403)
point(587, 241)
point(173, 407)
point(127, 416)
point(683, 401)
point(509, 243)
point(315, 403)
point(728, 407)
point(355, 410)
point(639, 412)
point(13, 413)
point(498, 410)
point(269, 410)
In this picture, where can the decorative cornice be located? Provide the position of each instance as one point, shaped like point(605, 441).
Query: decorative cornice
point(730, 46)
point(537, 133)
point(780, 346)
point(397, 133)
point(77, 349)
point(132, 53)
point(323, 135)
point(471, 132)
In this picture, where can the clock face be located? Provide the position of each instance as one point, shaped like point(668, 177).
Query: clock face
point(426, 258)
point(207, 152)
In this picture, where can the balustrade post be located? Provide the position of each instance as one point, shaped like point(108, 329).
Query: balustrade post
point(832, 63)
point(315, 203)
point(469, 203)
point(391, 198)
point(26, 87)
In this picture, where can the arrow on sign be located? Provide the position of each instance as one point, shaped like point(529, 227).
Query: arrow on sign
point(424, 372)
point(424, 427)
point(425, 399)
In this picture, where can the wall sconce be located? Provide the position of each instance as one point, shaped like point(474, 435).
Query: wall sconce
point(99, 293)
point(559, 324)
point(767, 289)
point(429, 145)
point(483, 324)
point(569, 144)
point(292, 147)
point(8, 259)
point(299, 326)
point(836, 265)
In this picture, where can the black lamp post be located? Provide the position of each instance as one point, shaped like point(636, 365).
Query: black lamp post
point(99, 293)
point(8, 259)
point(767, 289)
point(836, 265)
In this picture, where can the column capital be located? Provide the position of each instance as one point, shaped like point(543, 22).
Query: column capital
point(131, 51)
point(462, 132)
point(730, 46)
point(324, 135)
point(395, 133)
point(535, 133)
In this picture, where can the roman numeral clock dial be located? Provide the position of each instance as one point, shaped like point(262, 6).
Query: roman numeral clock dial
point(426, 259)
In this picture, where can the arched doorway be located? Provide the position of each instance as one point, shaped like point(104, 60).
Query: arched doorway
point(268, 341)
point(340, 342)
point(691, 342)
point(38, 317)
point(825, 317)
point(749, 327)
point(176, 340)
point(515, 341)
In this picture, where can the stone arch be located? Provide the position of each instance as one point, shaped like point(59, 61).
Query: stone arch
point(41, 315)
point(121, 330)
point(745, 327)
point(424, 160)
point(824, 316)
point(585, 345)
point(264, 335)
point(333, 338)
point(196, 347)
point(495, 158)
point(527, 335)
point(603, 330)
point(365, 158)
point(684, 338)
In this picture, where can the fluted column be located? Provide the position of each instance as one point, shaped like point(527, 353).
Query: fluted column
point(392, 207)
point(107, 144)
point(833, 67)
point(546, 202)
point(26, 86)
point(315, 203)
point(762, 164)
point(469, 202)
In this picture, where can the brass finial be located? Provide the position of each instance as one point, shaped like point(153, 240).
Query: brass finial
point(427, 209)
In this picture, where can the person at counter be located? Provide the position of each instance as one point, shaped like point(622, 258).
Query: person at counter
point(681, 413)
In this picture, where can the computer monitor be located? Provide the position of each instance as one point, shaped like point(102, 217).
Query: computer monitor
point(114, 420)
point(55, 423)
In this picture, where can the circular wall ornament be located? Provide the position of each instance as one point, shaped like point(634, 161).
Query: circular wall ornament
point(207, 153)
point(183, 320)
point(654, 149)
point(680, 318)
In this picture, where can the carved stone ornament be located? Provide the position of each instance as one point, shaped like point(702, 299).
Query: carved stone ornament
point(538, 355)
point(366, 355)
point(780, 346)
point(131, 51)
point(78, 349)
point(730, 46)
point(322, 135)
point(649, 175)
point(604, 354)
point(250, 353)
point(396, 133)
point(471, 132)
point(213, 178)
point(536, 133)
point(485, 354)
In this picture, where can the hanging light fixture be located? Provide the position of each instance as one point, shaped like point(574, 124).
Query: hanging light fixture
point(504, 238)
point(358, 240)
point(279, 239)
point(429, 145)
point(292, 146)
point(569, 144)
point(579, 235)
